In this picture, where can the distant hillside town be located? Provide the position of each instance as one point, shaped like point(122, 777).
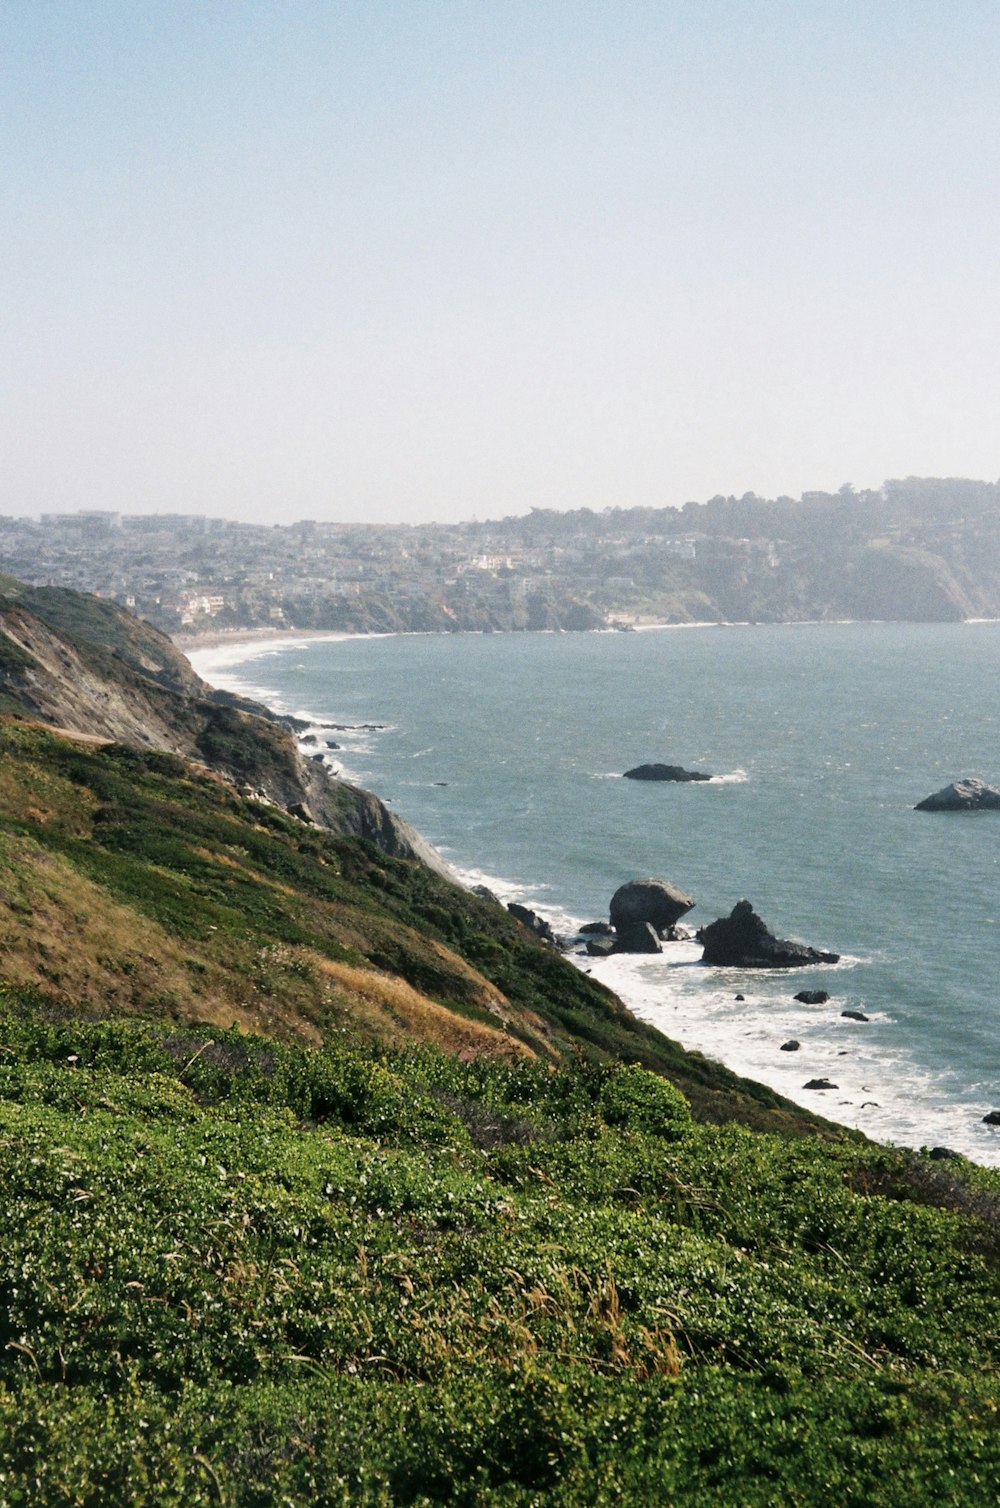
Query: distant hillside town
point(920, 549)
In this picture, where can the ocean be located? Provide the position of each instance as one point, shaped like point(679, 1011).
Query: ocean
point(507, 751)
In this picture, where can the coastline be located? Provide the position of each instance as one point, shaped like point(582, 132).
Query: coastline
point(223, 638)
point(695, 1006)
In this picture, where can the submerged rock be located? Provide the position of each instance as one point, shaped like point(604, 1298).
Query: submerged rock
point(812, 997)
point(641, 907)
point(962, 796)
point(673, 772)
point(791, 1046)
point(742, 941)
point(820, 1084)
point(854, 1015)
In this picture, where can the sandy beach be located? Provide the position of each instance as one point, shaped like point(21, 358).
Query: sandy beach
point(222, 638)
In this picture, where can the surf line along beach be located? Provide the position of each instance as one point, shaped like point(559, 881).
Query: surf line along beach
point(507, 753)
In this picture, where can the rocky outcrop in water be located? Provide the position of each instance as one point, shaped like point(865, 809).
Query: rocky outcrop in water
point(672, 772)
point(600, 946)
point(643, 911)
point(742, 941)
point(970, 795)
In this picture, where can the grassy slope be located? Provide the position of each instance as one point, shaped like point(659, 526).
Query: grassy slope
point(152, 887)
point(253, 1270)
point(242, 1273)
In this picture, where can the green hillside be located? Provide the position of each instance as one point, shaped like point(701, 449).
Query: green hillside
point(325, 1182)
point(241, 1273)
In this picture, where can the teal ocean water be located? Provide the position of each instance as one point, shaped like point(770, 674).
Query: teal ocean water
point(506, 751)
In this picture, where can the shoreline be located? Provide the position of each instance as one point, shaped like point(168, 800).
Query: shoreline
point(694, 1008)
point(221, 638)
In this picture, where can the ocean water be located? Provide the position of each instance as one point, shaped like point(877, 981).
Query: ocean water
point(506, 751)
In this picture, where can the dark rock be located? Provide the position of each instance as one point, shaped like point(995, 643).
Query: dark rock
point(601, 947)
point(332, 743)
point(534, 923)
point(605, 929)
point(741, 941)
point(672, 772)
point(812, 997)
point(854, 1015)
point(942, 1154)
point(300, 810)
point(485, 894)
point(739, 997)
point(791, 1046)
point(993, 1119)
point(643, 906)
point(961, 796)
point(820, 1084)
point(642, 938)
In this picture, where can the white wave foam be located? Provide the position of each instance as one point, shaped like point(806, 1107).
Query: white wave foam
point(735, 777)
point(217, 659)
point(532, 896)
point(879, 1089)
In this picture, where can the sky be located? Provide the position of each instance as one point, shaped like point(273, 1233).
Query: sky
point(434, 260)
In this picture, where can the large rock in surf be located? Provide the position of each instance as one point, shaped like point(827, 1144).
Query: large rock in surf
point(663, 772)
point(641, 906)
point(961, 796)
point(742, 941)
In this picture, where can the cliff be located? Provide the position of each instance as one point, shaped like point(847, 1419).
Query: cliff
point(85, 665)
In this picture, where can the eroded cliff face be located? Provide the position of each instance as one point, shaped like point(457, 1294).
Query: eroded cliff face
point(110, 676)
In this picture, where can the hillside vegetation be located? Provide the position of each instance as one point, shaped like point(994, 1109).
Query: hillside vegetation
point(325, 1182)
point(247, 1274)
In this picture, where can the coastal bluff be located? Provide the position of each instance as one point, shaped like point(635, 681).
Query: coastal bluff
point(84, 665)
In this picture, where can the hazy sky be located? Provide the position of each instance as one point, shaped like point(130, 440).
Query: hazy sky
point(435, 259)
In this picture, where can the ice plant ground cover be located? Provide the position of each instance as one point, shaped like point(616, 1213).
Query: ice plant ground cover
point(248, 1273)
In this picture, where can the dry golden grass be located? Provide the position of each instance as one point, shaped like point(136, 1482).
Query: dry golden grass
point(396, 1013)
point(65, 935)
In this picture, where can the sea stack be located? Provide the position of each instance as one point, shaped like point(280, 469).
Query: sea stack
point(673, 772)
point(742, 941)
point(642, 911)
point(970, 795)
